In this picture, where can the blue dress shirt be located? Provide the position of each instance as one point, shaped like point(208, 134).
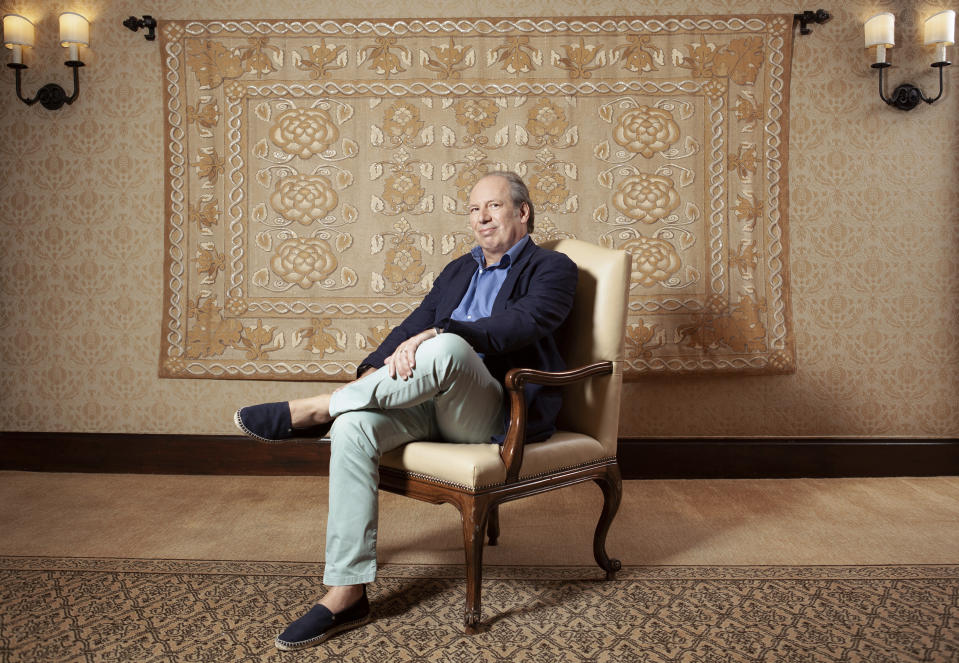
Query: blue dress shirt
point(484, 286)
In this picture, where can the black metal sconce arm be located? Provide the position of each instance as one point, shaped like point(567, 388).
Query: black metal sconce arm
point(819, 17)
point(51, 96)
point(907, 96)
point(148, 22)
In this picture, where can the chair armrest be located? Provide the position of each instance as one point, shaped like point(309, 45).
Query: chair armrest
point(516, 378)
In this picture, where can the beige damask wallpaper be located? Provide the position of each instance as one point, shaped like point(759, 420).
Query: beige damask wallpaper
point(873, 238)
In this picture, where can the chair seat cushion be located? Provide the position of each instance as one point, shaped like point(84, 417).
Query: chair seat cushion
point(474, 466)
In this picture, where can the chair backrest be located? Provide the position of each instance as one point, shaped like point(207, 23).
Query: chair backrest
point(594, 332)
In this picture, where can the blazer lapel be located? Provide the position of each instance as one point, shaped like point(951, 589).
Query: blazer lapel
point(499, 304)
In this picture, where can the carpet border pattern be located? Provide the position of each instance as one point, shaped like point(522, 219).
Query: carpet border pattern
point(491, 572)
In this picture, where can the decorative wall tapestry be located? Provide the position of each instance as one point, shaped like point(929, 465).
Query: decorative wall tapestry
point(317, 174)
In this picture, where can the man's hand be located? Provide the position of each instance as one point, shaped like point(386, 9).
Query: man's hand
point(401, 363)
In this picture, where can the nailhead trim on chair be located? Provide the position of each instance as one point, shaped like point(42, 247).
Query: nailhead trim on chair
point(453, 484)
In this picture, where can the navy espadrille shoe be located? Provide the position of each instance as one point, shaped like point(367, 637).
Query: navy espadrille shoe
point(270, 422)
point(319, 624)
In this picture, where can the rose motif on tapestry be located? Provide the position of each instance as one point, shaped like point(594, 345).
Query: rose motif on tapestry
point(304, 198)
point(646, 198)
point(304, 132)
point(303, 261)
point(646, 130)
point(654, 260)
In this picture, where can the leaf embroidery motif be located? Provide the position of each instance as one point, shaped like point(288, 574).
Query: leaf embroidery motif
point(205, 215)
point(204, 114)
point(516, 55)
point(209, 262)
point(700, 58)
point(256, 59)
point(741, 329)
point(212, 62)
point(637, 54)
point(579, 59)
point(745, 259)
point(745, 162)
point(639, 338)
point(382, 59)
point(740, 60)
point(211, 336)
point(209, 167)
point(316, 339)
point(256, 339)
point(320, 60)
point(748, 210)
point(444, 60)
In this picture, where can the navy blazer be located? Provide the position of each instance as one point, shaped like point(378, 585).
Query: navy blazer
point(532, 303)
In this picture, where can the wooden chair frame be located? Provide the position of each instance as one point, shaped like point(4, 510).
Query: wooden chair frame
point(480, 508)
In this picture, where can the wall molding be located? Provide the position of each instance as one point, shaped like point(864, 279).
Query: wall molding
point(640, 458)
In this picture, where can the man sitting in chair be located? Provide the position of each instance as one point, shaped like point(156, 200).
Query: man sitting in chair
point(437, 376)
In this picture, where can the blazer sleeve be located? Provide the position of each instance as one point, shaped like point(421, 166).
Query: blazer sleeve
point(541, 300)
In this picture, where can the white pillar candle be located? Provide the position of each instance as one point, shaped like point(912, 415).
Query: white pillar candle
point(880, 32)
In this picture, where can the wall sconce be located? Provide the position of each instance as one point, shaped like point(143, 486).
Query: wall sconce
point(939, 30)
point(74, 31)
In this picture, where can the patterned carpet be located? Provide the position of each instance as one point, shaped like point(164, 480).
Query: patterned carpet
point(68, 609)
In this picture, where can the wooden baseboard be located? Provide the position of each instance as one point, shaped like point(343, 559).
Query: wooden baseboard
point(160, 454)
point(731, 458)
point(639, 458)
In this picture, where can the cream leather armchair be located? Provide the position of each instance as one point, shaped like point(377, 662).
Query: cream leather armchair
point(477, 478)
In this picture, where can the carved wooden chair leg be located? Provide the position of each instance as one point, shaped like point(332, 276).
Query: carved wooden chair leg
point(492, 530)
point(612, 485)
point(475, 514)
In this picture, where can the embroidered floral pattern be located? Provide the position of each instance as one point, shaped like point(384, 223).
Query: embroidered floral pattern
point(646, 130)
point(404, 263)
point(646, 198)
point(476, 114)
point(402, 122)
point(548, 188)
point(304, 261)
point(546, 121)
point(654, 260)
point(304, 198)
point(402, 190)
point(304, 131)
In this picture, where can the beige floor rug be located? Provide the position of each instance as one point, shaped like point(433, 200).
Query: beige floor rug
point(97, 609)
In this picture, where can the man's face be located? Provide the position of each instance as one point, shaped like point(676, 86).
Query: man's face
point(496, 222)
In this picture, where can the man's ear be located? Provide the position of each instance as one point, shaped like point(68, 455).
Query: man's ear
point(524, 212)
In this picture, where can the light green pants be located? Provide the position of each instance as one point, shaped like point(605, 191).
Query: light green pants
point(451, 396)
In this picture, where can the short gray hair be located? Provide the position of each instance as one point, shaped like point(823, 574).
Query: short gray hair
point(518, 192)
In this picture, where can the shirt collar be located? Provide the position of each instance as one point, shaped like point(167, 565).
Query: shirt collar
point(506, 260)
